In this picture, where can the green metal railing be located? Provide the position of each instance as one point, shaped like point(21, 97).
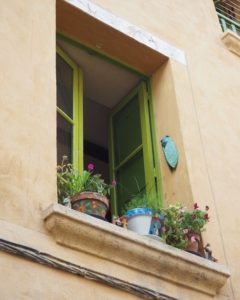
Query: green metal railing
point(228, 12)
point(227, 23)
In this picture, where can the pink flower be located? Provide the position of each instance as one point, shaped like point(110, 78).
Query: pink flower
point(185, 231)
point(193, 239)
point(90, 167)
point(195, 206)
point(163, 229)
point(114, 183)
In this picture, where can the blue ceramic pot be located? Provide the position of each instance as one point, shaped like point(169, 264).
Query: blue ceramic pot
point(139, 220)
point(138, 211)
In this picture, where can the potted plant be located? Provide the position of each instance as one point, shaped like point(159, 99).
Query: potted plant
point(182, 229)
point(193, 224)
point(83, 191)
point(172, 231)
point(139, 212)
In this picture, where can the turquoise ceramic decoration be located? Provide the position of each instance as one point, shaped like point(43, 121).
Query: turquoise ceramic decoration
point(170, 151)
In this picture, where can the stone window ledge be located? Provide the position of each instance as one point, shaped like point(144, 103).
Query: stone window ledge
point(88, 234)
point(232, 41)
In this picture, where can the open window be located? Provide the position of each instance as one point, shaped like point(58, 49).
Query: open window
point(103, 117)
point(69, 110)
point(132, 161)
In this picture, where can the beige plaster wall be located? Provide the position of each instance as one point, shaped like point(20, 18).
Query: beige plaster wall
point(175, 183)
point(203, 119)
point(33, 281)
point(28, 110)
point(209, 115)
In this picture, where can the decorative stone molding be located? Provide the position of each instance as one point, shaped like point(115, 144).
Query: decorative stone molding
point(87, 234)
point(232, 41)
point(129, 29)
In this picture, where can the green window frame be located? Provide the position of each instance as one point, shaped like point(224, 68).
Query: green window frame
point(146, 146)
point(147, 129)
point(77, 118)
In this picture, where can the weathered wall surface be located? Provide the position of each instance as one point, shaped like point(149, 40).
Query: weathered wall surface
point(33, 281)
point(203, 119)
point(210, 132)
point(175, 183)
point(28, 110)
point(209, 117)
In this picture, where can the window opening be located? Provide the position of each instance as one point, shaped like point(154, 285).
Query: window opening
point(104, 87)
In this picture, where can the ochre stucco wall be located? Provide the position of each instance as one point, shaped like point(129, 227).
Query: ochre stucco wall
point(209, 115)
point(175, 183)
point(28, 111)
point(203, 119)
point(33, 281)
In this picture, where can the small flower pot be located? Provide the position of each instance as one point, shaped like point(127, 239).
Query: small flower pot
point(193, 243)
point(90, 203)
point(139, 220)
point(156, 224)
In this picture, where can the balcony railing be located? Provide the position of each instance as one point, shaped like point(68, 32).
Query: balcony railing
point(227, 23)
point(228, 12)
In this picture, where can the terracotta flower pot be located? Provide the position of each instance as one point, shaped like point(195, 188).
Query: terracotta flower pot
point(90, 203)
point(193, 243)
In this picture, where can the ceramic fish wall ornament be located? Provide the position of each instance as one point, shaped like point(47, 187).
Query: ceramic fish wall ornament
point(170, 151)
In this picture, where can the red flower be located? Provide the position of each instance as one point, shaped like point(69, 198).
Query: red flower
point(194, 216)
point(195, 206)
point(206, 217)
point(90, 167)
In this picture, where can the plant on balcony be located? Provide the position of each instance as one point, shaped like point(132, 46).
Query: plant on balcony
point(141, 214)
point(83, 191)
point(194, 223)
point(172, 231)
point(182, 228)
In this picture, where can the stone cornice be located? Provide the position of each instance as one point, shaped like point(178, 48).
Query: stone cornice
point(107, 241)
point(232, 41)
point(129, 29)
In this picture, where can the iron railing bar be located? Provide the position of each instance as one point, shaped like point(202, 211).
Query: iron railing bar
point(223, 9)
point(229, 20)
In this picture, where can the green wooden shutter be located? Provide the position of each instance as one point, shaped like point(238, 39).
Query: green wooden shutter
point(69, 110)
point(131, 155)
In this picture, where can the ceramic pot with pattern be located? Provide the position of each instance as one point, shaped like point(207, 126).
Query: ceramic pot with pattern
point(90, 203)
point(139, 220)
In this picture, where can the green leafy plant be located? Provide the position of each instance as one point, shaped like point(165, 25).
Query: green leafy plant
point(70, 181)
point(172, 231)
point(180, 224)
point(194, 221)
point(143, 200)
